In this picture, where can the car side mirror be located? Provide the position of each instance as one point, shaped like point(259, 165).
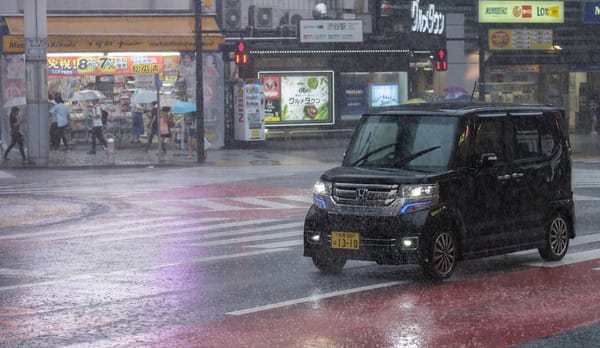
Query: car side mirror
point(487, 160)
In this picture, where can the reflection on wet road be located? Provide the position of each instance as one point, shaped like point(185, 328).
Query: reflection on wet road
point(220, 265)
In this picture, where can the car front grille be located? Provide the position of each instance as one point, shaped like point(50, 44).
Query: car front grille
point(364, 194)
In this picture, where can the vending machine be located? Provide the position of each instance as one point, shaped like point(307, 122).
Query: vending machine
point(249, 111)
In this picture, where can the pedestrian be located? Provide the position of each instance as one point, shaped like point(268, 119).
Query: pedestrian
point(192, 143)
point(166, 126)
point(594, 111)
point(137, 126)
point(16, 134)
point(152, 125)
point(53, 125)
point(97, 132)
point(60, 114)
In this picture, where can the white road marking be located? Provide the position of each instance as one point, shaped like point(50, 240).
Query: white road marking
point(290, 243)
point(265, 203)
point(5, 175)
point(92, 276)
point(314, 298)
point(569, 259)
point(585, 198)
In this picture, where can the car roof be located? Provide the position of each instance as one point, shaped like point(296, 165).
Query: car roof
point(462, 108)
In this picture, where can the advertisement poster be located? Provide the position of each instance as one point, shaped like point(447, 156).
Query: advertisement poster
point(521, 12)
point(354, 99)
point(111, 65)
point(298, 97)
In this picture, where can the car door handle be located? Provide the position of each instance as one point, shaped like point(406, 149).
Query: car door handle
point(517, 175)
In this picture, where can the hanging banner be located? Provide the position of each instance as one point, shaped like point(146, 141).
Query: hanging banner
point(112, 65)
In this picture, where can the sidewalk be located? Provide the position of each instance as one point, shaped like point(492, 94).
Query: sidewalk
point(585, 147)
point(272, 152)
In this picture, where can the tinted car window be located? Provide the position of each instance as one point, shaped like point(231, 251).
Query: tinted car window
point(527, 137)
point(490, 138)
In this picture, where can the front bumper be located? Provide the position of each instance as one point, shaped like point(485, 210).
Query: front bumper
point(384, 239)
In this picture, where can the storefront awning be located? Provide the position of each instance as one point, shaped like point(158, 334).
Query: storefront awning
point(117, 34)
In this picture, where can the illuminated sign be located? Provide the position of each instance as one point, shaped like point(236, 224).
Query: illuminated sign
point(346, 30)
point(521, 12)
point(111, 65)
point(295, 98)
point(427, 21)
point(520, 39)
point(591, 12)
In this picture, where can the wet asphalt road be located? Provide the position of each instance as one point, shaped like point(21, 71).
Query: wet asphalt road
point(152, 257)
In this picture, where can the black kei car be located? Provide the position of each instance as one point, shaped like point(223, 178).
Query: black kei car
point(435, 184)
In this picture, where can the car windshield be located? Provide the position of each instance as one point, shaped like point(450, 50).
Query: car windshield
point(401, 141)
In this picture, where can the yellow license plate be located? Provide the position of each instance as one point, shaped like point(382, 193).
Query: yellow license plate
point(345, 240)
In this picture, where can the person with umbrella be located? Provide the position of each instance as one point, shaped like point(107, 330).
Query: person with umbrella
point(16, 134)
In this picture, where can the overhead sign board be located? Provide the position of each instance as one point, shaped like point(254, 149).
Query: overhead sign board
point(520, 39)
point(345, 30)
point(521, 12)
point(74, 43)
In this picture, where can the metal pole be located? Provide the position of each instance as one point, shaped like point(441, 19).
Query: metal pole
point(36, 81)
point(199, 83)
point(482, 39)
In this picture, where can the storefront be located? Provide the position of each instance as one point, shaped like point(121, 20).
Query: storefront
point(325, 80)
point(543, 52)
point(121, 57)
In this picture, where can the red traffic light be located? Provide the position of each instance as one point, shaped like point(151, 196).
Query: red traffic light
point(441, 59)
point(441, 54)
point(241, 56)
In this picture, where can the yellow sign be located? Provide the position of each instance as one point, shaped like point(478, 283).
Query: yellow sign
point(58, 43)
point(520, 39)
point(521, 12)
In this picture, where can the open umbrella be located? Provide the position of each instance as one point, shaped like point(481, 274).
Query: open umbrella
point(453, 92)
point(88, 94)
point(168, 101)
point(183, 107)
point(16, 101)
point(143, 96)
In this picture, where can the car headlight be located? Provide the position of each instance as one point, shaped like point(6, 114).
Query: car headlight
point(419, 191)
point(419, 197)
point(322, 188)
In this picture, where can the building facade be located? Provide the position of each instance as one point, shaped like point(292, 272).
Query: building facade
point(389, 58)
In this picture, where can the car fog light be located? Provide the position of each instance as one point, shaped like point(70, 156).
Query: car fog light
point(315, 238)
point(410, 243)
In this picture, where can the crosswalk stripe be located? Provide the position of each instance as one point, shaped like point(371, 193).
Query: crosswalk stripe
point(5, 175)
point(264, 203)
point(286, 244)
point(201, 233)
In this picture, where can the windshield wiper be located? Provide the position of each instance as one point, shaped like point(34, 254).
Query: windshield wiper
point(365, 156)
point(401, 162)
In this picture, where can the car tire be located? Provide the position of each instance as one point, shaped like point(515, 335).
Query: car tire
point(329, 262)
point(441, 256)
point(557, 239)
